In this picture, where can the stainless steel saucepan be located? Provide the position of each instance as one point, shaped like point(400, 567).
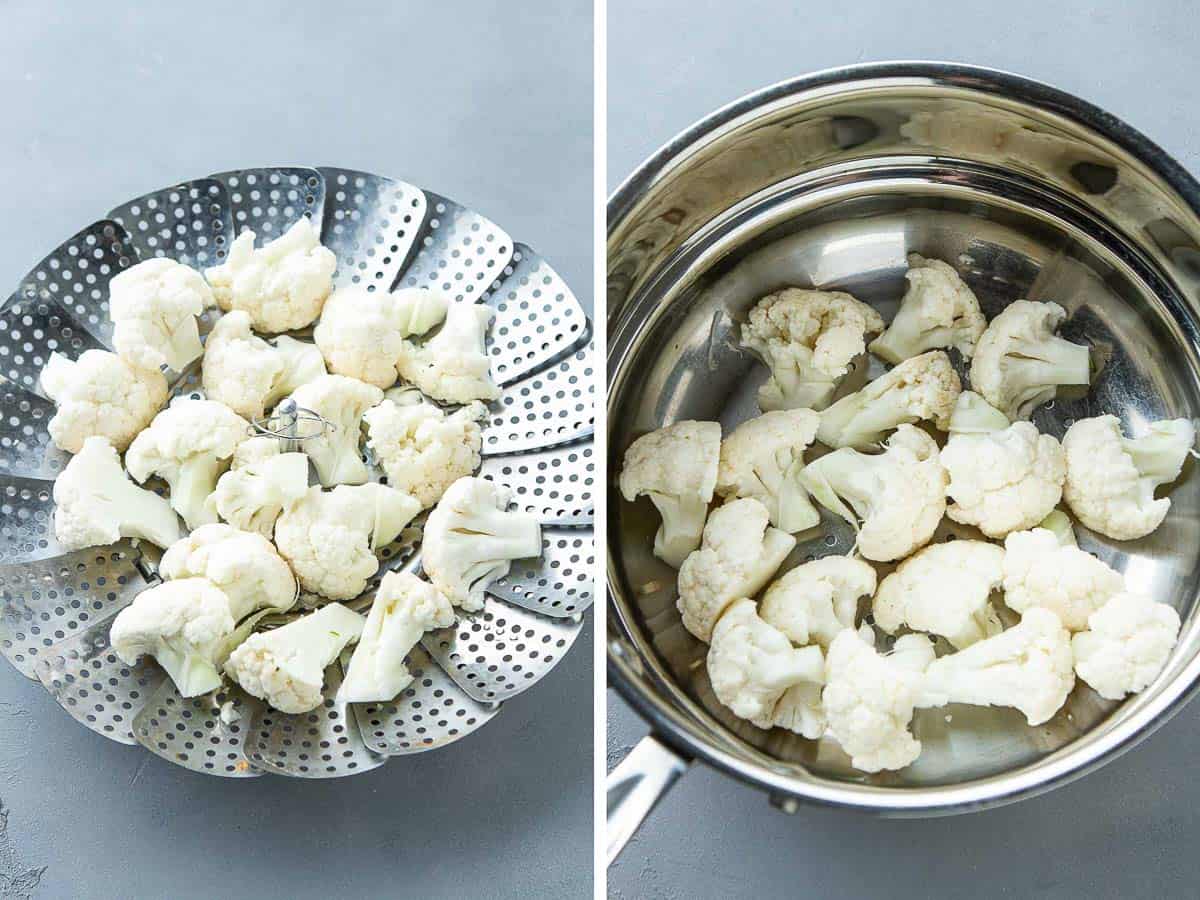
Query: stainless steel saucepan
point(830, 180)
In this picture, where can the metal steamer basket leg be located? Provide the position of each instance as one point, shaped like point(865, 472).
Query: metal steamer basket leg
point(56, 607)
point(830, 180)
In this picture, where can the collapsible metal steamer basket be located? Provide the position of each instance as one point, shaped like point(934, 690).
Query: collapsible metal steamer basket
point(58, 605)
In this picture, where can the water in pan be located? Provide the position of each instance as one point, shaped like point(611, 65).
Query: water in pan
point(862, 248)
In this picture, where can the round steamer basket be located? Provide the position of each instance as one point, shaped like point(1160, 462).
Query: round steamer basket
point(57, 606)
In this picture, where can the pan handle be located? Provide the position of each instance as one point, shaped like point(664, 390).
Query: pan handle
point(637, 783)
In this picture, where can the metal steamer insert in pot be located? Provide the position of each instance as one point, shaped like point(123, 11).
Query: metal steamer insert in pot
point(57, 606)
point(830, 181)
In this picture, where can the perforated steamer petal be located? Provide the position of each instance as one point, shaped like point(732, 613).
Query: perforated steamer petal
point(56, 606)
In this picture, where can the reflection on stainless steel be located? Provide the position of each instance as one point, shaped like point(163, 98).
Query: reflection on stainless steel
point(829, 181)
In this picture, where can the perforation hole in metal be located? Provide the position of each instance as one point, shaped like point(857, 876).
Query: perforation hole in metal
point(188, 222)
point(555, 483)
point(553, 407)
point(501, 650)
point(559, 583)
point(431, 712)
point(32, 329)
point(77, 274)
point(47, 602)
point(26, 526)
point(459, 252)
point(268, 201)
point(370, 224)
point(97, 689)
point(25, 445)
point(537, 318)
point(324, 743)
point(190, 732)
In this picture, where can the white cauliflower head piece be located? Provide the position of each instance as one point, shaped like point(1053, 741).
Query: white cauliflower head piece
point(869, 699)
point(815, 602)
point(282, 285)
point(1004, 480)
point(471, 539)
point(361, 333)
point(751, 665)
point(1041, 570)
point(330, 537)
point(244, 565)
point(261, 484)
point(341, 402)
point(286, 666)
point(676, 467)
point(248, 374)
point(739, 553)
point(189, 445)
point(96, 504)
point(1020, 362)
point(153, 306)
point(453, 365)
point(938, 311)
point(1028, 667)
point(1111, 479)
point(422, 448)
point(895, 499)
point(944, 589)
point(763, 457)
point(1126, 644)
point(185, 625)
point(924, 387)
point(808, 339)
point(100, 394)
point(404, 608)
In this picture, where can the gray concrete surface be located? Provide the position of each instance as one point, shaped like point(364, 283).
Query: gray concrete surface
point(487, 103)
point(1126, 831)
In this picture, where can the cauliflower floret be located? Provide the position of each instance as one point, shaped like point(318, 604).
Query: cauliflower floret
point(1019, 361)
point(751, 665)
point(188, 444)
point(937, 311)
point(341, 402)
point(282, 285)
point(763, 457)
point(249, 375)
point(869, 699)
point(186, 625)
point(361, 333)
point(1003, 480)
point(816, 601)
point(153, 306)
point(808, 340)
point(422, 448)
point(945, 590)
point(100, 394)
point(260, 485)
point(924, 387)
point(471, 540)
point(1028, 667)
point(246, 566)
point(286, 666)
point(96, 504)
point(330, 537)
point(405, 607)
point(738, 555)
point(1111, 479)
point(899, 495)
point(676, 467)
point(1126, 645)
point(1041, 569)
point(453, 365)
